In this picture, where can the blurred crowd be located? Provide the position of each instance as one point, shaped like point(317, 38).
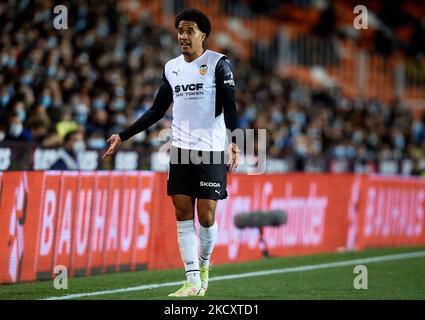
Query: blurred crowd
point(102, 73)
point(394, 28)
point(96, 77)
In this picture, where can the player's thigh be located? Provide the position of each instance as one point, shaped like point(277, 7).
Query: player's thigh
point(179, 180)
point(184, 205)
point(206, 211)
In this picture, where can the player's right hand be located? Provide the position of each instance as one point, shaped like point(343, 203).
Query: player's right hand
point(114, 143)
point(233, 157)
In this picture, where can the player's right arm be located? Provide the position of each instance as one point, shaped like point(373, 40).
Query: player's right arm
point(162, 101)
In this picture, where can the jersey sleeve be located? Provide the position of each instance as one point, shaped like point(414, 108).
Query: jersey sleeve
point(162, 101)
point(225, 86)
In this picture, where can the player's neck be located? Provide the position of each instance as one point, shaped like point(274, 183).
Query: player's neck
point(194, 56)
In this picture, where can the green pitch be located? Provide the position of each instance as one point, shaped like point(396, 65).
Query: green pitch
point(391, 274)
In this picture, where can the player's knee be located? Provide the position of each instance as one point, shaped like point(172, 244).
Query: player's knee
point(206, 221)
point(183, 211)
point(206, 215)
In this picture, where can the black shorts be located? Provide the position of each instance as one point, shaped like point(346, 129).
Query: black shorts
point(198, 174)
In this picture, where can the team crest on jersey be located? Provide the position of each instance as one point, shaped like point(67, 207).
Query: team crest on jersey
point(203, 69)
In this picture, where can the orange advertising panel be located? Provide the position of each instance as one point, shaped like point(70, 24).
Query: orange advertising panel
point(108, 221)
point(89, 222)
point(19, 225)
point(31, 222)
point(391, 212)
point(318, 218)
point(47, 229)
point(317, 208)
point(163, 247)
point(65, 220)
point(81, 225)
point(11, 229)
point(130, 194)
point(317, 215)
point(98, 221)
point(115, 200)
point(144, 213)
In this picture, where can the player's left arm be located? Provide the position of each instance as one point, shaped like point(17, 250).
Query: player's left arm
point(225, 86)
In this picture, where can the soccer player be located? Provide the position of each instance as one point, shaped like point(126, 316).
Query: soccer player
point(200, 84)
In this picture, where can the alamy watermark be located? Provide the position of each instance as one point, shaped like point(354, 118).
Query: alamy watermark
point(360, 282)
point(252, 144)
point(61, 20)
point(360, 21)
point(60, 282)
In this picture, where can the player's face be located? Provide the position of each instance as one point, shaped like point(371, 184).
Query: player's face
point(190, 37)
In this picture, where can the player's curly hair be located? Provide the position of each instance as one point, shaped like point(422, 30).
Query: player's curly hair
point(197, 16)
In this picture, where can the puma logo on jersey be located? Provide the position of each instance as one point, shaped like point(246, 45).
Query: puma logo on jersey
point(176, 72)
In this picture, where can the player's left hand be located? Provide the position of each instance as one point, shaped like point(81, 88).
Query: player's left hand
point(233, 157)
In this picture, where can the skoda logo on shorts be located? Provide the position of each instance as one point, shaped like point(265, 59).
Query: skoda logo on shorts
point(209, 184)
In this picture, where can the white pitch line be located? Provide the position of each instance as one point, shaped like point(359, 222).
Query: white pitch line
point(393, 257)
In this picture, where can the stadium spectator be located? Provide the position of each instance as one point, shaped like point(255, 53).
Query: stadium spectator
point(16, 131)
point(67, 156)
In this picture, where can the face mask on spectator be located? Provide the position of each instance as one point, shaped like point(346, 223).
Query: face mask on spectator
point(26, 80)
point(277, 117)
point(372, 140)
point(140, 136)
point(120, 120)
point(99, 104)
point(22, 115)
point(97, 143)
point(89, 40)
point(357, 137)
point(250, 114)
point(51, 71)
point(4, 59)
point(81, 108)
point(81, 118)
point(2, 135)
point(12, 62)
point(300, 118)
point(52, 42)
point(119, 91)
point(5, 100)
point(46, 101)
point(119, 104)
point(16, 130)
point(339, 152)
point(418, 131)
point(399, 141)
point(102, 30)
point(78, 146)
point(301, 149)
point(317, 146)
point(8, 61)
